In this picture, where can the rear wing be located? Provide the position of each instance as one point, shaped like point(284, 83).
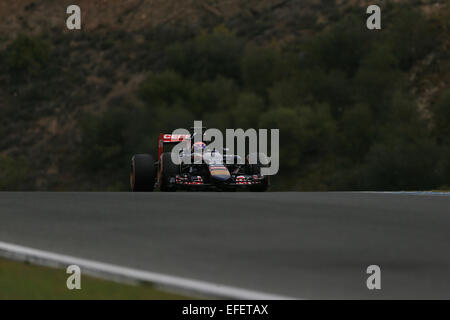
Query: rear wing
point(165, 138)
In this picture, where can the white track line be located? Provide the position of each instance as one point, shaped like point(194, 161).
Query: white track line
point(41, 257)
point(414, 193)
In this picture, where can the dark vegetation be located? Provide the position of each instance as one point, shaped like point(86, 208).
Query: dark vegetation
point(343, 100)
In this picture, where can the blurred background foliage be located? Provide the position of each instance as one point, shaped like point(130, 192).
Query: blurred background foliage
point(348, 116)
point(14, 173)
point(26, 57)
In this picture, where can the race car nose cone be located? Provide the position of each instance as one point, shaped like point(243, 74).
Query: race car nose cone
point(219, 173)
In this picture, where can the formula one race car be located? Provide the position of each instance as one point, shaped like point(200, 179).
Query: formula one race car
point(212, 172)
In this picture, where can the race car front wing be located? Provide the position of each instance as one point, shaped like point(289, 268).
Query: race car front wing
point(235, 180)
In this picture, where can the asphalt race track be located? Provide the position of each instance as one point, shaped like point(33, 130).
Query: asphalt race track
point(304, 245)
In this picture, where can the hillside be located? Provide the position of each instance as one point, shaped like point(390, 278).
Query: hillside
point(72, 103)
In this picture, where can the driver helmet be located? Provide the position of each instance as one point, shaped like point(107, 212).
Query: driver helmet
point(198, 147)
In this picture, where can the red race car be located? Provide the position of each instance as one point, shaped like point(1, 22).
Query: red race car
point(198, 168)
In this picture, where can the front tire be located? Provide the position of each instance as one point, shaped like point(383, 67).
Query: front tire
point(256, 169)
point(143, 173)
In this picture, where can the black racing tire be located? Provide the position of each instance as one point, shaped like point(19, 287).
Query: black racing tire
point(143, 173)
point(168, 171)
point(256, 169)
point(264, 186)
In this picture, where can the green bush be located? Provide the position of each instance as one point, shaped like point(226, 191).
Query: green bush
point(411, 36)
point(333, 88)
point(260, 68)
point(164, 88)
point(219, 94)
point(247, 110)
point(14, 174)
point(27, 56)
point(378, 78)
point(104, 142)
point(207, 56)
point(441, 117)
point(399, 164)
point(306, 133)
point(340, 46)
point(356, 133)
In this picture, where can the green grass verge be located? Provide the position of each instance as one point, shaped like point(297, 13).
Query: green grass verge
point(24, 281)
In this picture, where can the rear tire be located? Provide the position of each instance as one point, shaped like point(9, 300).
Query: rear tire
point(168, 171)
point(143, 173)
